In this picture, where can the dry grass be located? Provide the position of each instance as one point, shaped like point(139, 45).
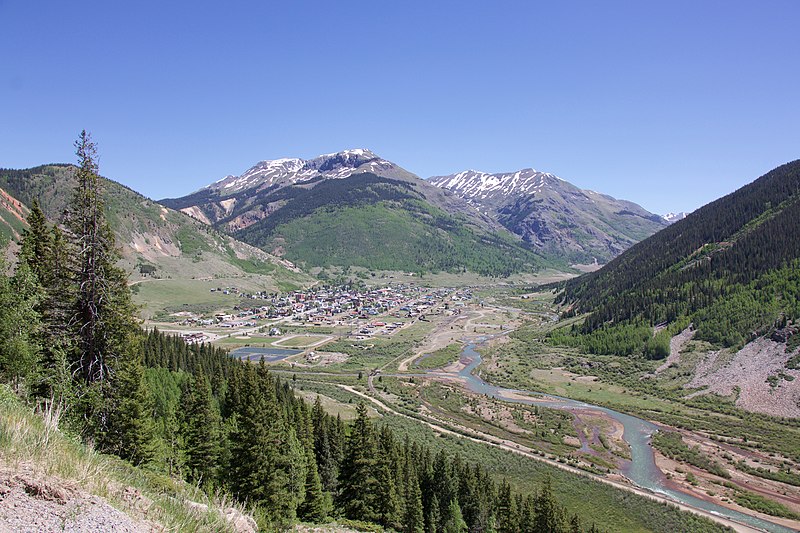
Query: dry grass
point(32, 442)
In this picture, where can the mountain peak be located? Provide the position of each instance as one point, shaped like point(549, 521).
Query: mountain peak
point(291, 170)
point(474, 185)
point(553, 215)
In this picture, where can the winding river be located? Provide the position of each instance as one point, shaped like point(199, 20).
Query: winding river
point(642, 470)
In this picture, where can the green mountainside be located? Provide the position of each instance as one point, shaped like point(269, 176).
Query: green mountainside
point(152, 238)
point(353, 208)
point(382, 224)
point(731, 267)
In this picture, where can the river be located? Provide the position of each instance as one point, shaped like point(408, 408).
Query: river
point(642, 471)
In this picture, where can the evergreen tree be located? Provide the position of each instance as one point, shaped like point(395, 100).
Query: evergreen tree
point(433, 517)
point(506, 511)
point(201, 431)
point(130, 429)
point(260, 442)
point(325, 447)
point(357, 479)
point(387, 498)
point(316, 505)
point(454, 522)
point(20, 324)
point(549, 514)
point(413, 516)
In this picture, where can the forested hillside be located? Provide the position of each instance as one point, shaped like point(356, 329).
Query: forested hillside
point(730, 267)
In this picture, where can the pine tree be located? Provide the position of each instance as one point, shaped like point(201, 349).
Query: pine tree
point(20, 325)
point(357, 479)
point(263, 465)
point(413, 517)
point(507, 521)
point(433, 518)
point(387, 499)
point(130, 430)
point(107, 363)
point(454, 521)
point(325, 447)
point(99, 283)
point(549, 514)
point(201, 431)
point(316, 505)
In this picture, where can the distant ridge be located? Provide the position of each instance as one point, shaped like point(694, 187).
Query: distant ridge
point(553, 215)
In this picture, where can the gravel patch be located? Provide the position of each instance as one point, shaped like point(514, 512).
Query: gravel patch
point(676, 344)
point(748, 370)
point(33, 505)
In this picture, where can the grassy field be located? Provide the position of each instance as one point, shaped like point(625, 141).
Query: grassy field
point(301, 341)
point(439, 358)
point(344, 409)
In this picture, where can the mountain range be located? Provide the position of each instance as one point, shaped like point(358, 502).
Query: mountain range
point(354, 208)
point(351, 209)
point(554, 216)
point(298, 208)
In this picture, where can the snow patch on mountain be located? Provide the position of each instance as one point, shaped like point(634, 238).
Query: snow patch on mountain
point(674, 217)
point(474, 185)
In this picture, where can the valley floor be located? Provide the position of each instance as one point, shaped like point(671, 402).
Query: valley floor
point(579, 441)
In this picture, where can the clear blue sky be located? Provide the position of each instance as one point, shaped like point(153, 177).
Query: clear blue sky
point(669, 104)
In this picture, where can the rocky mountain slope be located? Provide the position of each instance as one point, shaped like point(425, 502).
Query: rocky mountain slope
point(152, 238)
point(553, 215)
point(12, 218)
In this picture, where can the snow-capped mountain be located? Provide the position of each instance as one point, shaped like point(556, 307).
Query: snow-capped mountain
point(674, 217)
point(236, 202)
point(353, 208)
point(291, 171)
point(554, 215)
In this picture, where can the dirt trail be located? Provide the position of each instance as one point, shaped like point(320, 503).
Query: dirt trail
point(676, 344)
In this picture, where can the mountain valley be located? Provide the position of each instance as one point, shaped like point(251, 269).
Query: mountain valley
point(390, 334)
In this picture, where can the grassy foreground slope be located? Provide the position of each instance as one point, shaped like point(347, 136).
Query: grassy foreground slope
point(55, 469)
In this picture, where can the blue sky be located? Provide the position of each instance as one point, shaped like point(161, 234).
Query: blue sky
point(668, 104)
